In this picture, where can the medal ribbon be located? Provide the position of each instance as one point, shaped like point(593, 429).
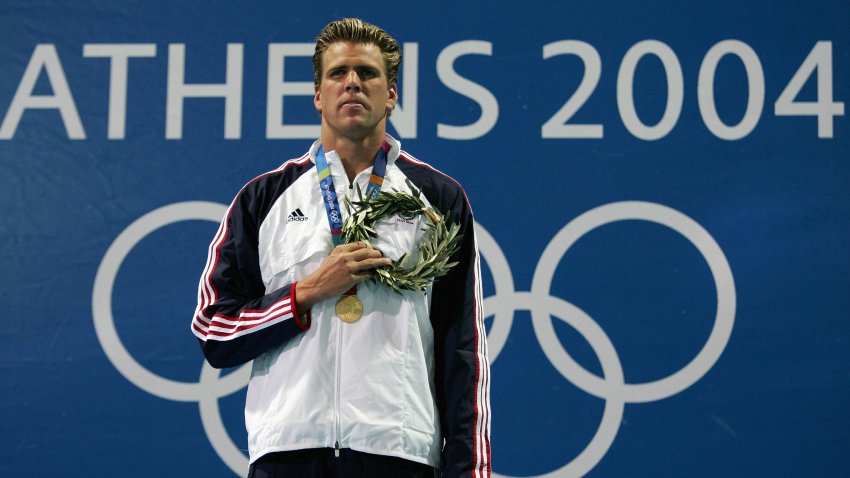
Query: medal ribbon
point(326, 185)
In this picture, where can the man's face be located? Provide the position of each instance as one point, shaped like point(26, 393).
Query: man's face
point(353, 96)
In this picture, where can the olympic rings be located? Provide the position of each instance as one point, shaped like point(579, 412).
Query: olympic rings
point(720, 270)
point(611, 387)
point(210, 387)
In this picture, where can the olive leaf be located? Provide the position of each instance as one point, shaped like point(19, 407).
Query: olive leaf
point(436, 248)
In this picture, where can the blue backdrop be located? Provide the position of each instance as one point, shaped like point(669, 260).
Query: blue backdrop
point(662, 192)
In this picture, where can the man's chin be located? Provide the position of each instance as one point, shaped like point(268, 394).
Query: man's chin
point(355, 130)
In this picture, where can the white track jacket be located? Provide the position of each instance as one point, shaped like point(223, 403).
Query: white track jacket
point(409, 379)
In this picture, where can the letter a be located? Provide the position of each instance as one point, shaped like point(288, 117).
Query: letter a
point(43, 58)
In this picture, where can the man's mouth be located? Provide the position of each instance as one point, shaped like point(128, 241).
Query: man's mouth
point(352, 103)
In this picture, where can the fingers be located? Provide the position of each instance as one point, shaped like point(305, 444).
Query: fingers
point(359, 259)
point(347, 265)
point(364, 254)
point(350, 247)
point(366, 265)
point(360, 256)
point(362, 263)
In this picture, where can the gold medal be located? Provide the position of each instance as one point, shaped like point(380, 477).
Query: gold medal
point(349, 308)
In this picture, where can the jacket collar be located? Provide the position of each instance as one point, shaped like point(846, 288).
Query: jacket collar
point(392, 155)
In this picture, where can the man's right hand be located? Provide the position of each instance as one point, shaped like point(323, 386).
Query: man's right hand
point(347, 265)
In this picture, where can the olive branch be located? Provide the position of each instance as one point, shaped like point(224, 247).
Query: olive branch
point(440, 243)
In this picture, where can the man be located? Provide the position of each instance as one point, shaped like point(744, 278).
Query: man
point(396, 384)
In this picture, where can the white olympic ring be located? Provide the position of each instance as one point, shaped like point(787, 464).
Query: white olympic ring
point(210, 387)
point(611, 387)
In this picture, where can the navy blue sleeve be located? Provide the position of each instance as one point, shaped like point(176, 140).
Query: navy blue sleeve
point(236, 320)
point(460, 346)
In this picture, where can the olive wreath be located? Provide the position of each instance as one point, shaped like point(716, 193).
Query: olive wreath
point(436, 248)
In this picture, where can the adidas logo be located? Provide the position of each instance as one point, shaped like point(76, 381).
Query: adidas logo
point(296, 215)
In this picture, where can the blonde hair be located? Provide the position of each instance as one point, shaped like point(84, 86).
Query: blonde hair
point(357, 31)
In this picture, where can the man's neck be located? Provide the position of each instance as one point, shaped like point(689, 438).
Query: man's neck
point(356, 155)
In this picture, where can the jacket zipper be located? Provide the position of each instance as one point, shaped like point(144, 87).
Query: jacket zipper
point(337, 425)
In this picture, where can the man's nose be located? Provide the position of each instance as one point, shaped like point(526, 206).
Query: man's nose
point(352, 81)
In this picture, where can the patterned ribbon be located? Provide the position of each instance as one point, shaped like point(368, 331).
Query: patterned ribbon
point(326, 185)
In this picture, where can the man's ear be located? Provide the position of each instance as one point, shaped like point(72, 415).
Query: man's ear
point(392, 98)
point(317, 101)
